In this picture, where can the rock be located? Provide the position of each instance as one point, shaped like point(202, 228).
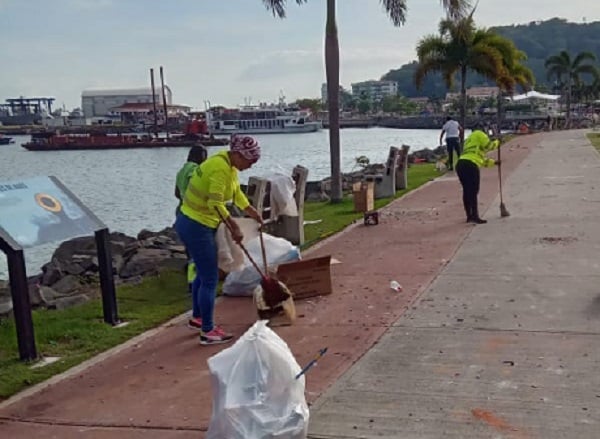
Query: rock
point(145, 261)
point(318, 196)
point(51, 272)
point(68, 302)
point(6, 306)
point(48, 295)
point(175, 263)
point(67, 285)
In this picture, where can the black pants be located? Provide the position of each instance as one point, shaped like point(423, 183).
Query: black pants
point(452, 145)
point(468, 174)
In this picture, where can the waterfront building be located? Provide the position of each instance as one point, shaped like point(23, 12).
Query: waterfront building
point(375, 90)
point(100, 103)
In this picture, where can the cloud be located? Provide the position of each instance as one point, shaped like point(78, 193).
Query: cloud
point(88, 5)
point(282, 63)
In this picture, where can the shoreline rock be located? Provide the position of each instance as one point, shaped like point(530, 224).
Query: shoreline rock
point(71, 276)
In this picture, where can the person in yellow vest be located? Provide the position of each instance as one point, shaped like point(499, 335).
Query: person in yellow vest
point(213, 183)
point(474, 155)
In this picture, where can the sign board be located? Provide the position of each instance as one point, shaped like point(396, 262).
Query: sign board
point(39, 210)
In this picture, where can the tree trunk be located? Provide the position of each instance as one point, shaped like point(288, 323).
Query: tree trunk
point(463, 103)
point(569, 90)
point(332, 70)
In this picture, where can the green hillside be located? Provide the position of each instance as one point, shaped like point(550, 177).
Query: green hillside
point(538, 40)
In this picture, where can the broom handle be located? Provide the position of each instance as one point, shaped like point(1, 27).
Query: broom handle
point(242, 246)
point(500, 172)
point(262, 249)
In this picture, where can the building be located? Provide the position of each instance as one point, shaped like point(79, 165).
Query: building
point(99, 103)
point(477, 93)
point(375, 90)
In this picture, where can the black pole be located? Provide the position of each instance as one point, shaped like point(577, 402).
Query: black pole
point(162, 86)
point(154, 101)
point(19, 291)
point(107, 282)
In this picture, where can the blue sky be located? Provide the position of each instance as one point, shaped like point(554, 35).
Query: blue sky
point(219, 50)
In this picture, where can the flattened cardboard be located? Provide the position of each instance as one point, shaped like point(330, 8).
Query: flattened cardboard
point(307, 278)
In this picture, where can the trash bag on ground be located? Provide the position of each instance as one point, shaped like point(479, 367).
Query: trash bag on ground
point(255, 391)
point(278, 250)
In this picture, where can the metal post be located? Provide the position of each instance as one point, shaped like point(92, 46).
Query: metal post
point(154, 102)
point(19, 291)
point(164, 98)
point(107, 283)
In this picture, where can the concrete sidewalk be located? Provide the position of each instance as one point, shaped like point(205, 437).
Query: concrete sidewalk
point(506, 341)
point(158, 387)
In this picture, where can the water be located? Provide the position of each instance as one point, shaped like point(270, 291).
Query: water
point(134, 189)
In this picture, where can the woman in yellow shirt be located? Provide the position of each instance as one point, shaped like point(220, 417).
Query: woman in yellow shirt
point(474, 155)
point(212, 184)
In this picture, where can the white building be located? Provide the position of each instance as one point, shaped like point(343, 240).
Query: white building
point(375, 90)
point(99, 103)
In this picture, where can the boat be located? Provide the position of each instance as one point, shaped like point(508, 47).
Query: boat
point(261, 119)
point(6, 140)
point(71, 142)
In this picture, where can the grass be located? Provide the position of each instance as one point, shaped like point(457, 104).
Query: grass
point(595, 139)
point(335, 217)
point(79, 333)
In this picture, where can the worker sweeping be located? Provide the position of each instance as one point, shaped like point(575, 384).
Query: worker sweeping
point(474, 155)
point(214, 182)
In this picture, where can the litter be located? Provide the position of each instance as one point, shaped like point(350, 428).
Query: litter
point(396, 286)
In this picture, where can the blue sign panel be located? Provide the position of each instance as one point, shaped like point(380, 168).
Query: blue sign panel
point(40, 210)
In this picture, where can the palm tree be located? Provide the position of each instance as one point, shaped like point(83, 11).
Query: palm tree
point(396, 10)
point(459, 48)
point(514, 73)
point(568, 71)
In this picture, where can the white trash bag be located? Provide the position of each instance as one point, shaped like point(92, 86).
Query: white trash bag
point(244, 281)
point(255, 391)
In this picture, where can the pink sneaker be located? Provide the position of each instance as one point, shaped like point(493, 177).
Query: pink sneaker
point(195, 323)
point(216, 336)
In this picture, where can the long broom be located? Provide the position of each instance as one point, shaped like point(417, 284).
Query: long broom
point(503, 210)
point(274, 291)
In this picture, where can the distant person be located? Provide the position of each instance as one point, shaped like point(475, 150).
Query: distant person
point(196, 156)
point(213, 183)
point(452, 130)
point(474, 155)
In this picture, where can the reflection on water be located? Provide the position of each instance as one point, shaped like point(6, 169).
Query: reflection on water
point(134, 189)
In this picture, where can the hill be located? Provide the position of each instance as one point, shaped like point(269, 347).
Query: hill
point(539, 40)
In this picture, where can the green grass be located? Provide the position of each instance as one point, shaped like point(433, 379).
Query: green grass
point(595, 139)
point(79, 333)
point(335, 217)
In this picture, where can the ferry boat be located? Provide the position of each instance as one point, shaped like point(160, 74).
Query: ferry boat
point(261, 119)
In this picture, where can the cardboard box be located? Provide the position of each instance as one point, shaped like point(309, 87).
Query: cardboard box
point(363, 194)
point(307, 278)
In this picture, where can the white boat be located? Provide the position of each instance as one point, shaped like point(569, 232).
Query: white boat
point(261, 119)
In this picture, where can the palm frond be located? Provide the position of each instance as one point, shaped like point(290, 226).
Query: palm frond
point(396, 10)
point(277, 7)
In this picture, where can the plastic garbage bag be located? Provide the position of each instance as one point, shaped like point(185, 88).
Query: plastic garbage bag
point(278, 250)
point(255, 393)
point(282, 200)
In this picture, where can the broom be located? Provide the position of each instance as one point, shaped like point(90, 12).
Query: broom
point(274, 291)
point(503, 210)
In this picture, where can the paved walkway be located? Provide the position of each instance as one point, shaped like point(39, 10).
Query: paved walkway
point(158, 386)
point(506, 341)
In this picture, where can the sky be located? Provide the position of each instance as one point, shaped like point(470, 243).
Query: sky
point(227, 52)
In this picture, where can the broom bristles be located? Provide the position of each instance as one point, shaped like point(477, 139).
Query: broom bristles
point(504, 211)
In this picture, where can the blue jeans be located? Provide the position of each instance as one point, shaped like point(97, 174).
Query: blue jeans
point(201, 244)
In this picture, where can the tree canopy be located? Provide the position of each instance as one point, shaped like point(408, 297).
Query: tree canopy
point(538, 40)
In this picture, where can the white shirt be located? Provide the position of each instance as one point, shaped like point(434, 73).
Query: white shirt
point(451, 128)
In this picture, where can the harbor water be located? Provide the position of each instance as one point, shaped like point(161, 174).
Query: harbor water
point(133, 189)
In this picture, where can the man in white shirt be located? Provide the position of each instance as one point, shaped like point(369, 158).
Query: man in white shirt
point(452, 129)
